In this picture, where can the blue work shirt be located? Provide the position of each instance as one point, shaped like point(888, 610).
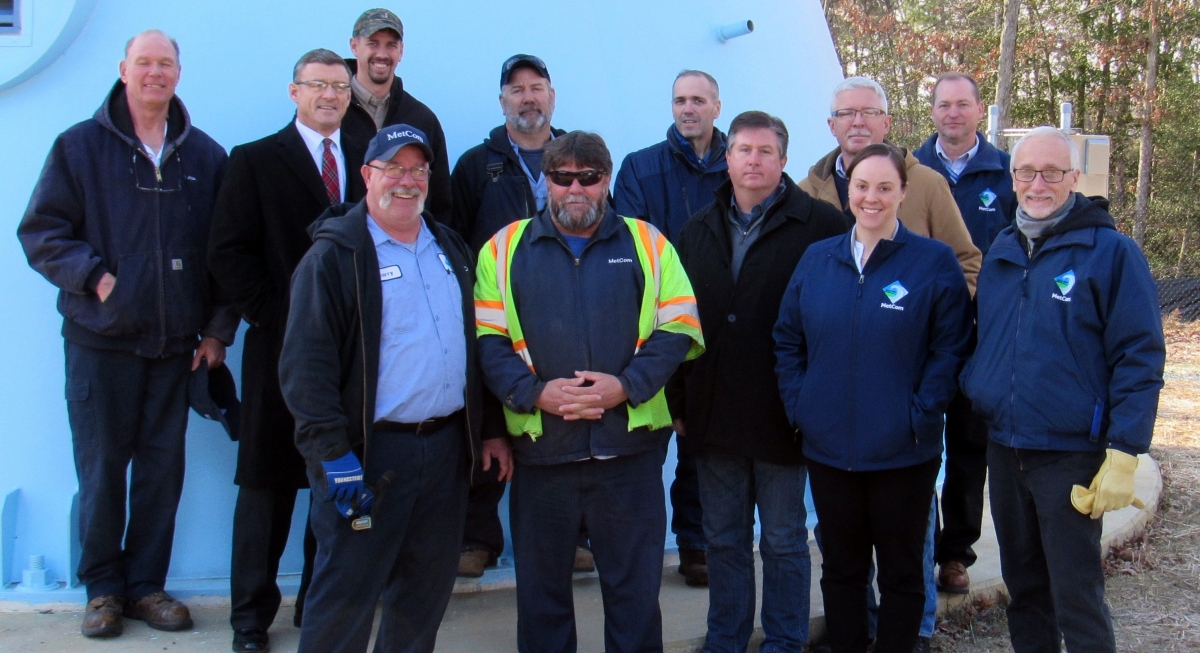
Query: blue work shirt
point(422, 353)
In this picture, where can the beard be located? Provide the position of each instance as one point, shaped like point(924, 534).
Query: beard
point(386, 200)
point(570, 214)
point(382, 78)
point(528, 124)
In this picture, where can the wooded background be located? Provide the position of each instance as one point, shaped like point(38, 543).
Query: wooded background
point(1096, 54)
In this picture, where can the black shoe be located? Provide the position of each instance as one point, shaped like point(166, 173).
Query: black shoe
point(922, 645)
point(693, 564)
point(251, 639)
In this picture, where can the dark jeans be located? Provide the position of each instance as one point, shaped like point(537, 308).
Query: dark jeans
point(687, 516)
point(483, 530)
point(621, 501)
point(887, 510)
point(262, 520)
point(1049, 552)
point(731, 487)
point(126, 409)
point(962, 489)
point(409, 556)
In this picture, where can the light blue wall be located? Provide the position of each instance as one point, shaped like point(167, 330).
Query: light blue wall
point(612, 64)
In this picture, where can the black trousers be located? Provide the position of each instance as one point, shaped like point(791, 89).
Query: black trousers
point(887, 510)
point(962, 488)
point(1049, 552)
point(483, 530)
point(262, 520)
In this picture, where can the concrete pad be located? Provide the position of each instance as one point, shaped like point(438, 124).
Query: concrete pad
point(482, 616)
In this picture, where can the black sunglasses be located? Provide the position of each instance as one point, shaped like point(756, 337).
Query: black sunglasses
point(584, 177)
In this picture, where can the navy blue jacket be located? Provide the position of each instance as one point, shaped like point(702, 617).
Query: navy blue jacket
point(579, 314)
point(868, 362)
point(662, 186)
point(1070, 354)
point(101, 205)
point(983, 192)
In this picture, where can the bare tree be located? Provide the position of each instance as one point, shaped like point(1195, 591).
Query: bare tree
point(1008, 55)
point(1146, 152)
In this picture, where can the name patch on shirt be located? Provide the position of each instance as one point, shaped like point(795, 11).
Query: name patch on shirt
point(390, 272)
point(176, 264)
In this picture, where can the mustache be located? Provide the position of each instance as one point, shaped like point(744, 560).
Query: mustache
point(405, 192)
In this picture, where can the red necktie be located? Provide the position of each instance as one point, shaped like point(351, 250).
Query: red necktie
point(329, 173)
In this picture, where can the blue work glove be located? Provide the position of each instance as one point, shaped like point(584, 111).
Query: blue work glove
point(343, 478)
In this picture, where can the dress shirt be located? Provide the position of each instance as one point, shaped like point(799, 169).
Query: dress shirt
point(422, 351)
point(376, 107)
point(957, 165)
point(316, 147)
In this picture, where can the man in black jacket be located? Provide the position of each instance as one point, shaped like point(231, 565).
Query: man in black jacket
point(378, 369)
point(273, 190)
point(739, 253)
point(379, 99)
point(119, 222)
point(497, 182)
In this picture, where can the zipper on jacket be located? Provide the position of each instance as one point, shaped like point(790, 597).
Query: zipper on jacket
point(1012, 383)
point(687, 206)
point(362, 344)
point(854, 363)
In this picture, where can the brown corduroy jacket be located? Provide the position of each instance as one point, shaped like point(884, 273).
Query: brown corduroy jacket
point(928, 208)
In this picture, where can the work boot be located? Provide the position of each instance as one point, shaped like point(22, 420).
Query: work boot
point(472, 562)
point(103, 616)
point(953, 578)
point(251, 639)
point(693, 564)
point(160, 611)
point(584, 562)
point(922, 645)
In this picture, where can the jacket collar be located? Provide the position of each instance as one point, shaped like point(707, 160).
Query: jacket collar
point(395, 93)
point(497, 141)
point(883, 250)
point(793, 204)
point(294, 152)
point(716, 154)
point(987, 159)
point(541, 226)
point(114, 115)
point(1079, 227)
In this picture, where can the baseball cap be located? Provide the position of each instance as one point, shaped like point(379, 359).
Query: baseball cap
point(213, 395)
point(373, 20)
point(522, 61)
point(389, 140)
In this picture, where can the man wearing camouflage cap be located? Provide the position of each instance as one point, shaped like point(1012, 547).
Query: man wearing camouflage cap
point(379, 99)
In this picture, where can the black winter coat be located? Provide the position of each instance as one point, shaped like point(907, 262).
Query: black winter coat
point(406, 109)
point(729, 396)
point(490, 189)
point(271, 194)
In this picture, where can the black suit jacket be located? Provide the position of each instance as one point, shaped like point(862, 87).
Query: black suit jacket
point(271, 193)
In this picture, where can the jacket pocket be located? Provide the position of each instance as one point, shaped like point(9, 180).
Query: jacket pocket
point(132, 307)
point(185, 282)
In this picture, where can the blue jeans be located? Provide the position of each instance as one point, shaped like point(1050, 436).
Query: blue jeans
point(126, 411)
point(622, 504)
point(687, 515)
point(409, 556)
point(730, 488)
point(929, 619)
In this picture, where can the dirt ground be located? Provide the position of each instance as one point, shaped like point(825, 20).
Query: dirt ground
point(1153, 584)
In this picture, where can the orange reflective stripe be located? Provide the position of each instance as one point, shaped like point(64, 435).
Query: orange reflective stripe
point(689, 320)
point(489, 325)
point(682, 299)
point(489, 303)
point(644, 236)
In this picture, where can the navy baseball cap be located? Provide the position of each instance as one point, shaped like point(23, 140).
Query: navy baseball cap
point(213, 395)
point(518, 61)
point(389, 140)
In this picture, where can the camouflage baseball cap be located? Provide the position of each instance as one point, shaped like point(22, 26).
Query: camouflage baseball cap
point(373, 20)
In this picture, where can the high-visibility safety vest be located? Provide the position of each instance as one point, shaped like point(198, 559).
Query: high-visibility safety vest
point(667, 304)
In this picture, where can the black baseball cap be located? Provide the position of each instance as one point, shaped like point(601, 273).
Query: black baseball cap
point(213, 395)
point(389, 140)
point(523, 61)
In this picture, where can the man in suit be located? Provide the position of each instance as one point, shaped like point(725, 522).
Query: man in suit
point(378, 98)
point(274, 189)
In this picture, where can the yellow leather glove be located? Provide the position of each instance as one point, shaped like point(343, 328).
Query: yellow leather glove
point(1111, 489)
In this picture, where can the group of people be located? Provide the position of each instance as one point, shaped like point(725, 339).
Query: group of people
point(420, 338)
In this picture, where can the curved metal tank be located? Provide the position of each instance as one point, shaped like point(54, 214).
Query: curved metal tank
point(612, 64)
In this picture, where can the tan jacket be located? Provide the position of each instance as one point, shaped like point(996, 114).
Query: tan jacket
point(928, 208)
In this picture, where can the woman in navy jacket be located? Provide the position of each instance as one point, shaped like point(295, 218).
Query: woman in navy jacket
point(872, 332)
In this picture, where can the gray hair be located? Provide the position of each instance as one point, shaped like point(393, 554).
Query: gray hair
point(319, 56)
point(153, 32)
point(699, 73)
point(1048, 132)
point(858, 82)
point(760, 120)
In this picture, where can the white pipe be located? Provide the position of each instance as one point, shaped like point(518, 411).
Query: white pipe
point(734, 30)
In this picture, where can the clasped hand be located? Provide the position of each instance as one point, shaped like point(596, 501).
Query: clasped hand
point(586, 396)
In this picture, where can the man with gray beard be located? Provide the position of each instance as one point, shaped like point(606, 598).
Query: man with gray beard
point(495, 183)
point(583, 316)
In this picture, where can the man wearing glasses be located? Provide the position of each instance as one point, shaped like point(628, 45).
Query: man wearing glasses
point(1067, 374)
point(273, 190)
point(119, 223)
point(858, 117)
point(379, 98)
point(583, 317)
point(378, 369)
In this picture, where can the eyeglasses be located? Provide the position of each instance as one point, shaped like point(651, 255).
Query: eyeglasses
point(1049, 175)
point(398, 172)
point(320, 85)
point(584, 177)
point(867, 114)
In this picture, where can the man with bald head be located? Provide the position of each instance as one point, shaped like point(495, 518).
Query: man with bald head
point(138, 317)
point(1067, 374)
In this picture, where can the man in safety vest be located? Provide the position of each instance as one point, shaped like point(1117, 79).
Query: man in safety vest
point(583, 316)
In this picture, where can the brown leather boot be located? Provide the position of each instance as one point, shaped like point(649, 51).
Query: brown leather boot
point(953, 578)
point(473, 562)
point(103, 616)
point(693, 564)
point(584, 562)
point(160, 611)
